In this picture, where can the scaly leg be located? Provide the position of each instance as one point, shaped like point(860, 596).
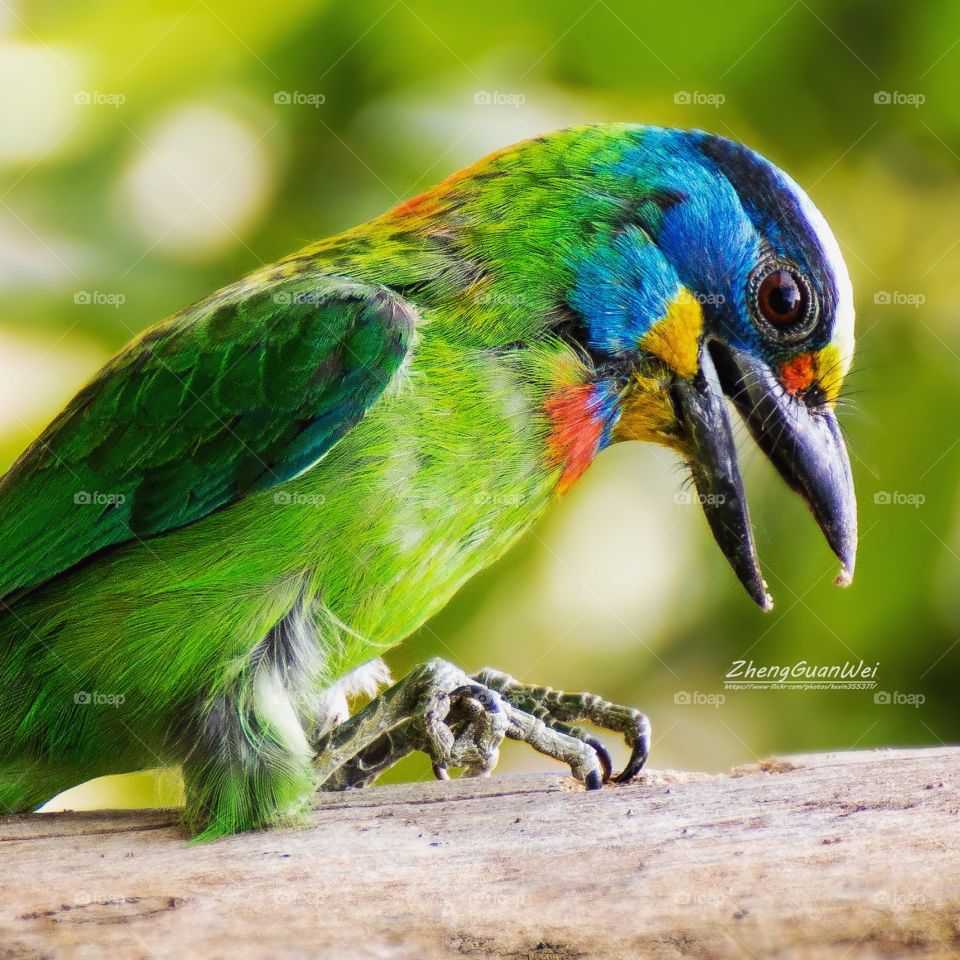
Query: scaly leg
point(558, 709)
point(459, 721)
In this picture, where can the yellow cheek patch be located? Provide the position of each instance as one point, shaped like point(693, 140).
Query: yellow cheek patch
point(831, 368)
point(675, 338)
point(647, 414)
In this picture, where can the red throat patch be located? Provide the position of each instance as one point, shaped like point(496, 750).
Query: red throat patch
point(575, 432)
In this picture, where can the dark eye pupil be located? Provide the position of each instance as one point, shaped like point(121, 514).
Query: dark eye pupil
point(780, 297)
point(785, 296)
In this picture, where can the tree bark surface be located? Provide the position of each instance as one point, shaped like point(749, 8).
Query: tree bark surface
point(846, 855)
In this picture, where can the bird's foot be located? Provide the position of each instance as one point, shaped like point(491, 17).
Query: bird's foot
point(460, 721)
point(559, 710)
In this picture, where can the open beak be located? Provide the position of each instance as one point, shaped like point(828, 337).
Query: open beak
point(803, 444)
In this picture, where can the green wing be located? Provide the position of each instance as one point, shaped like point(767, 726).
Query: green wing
point(240, 393)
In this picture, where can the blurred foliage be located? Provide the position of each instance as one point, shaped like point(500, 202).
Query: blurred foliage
point(148, 156)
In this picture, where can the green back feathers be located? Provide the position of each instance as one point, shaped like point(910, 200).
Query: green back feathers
point(491, 253)
point(239, 394)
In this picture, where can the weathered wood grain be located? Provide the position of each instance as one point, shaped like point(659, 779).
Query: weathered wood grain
point(840, 855)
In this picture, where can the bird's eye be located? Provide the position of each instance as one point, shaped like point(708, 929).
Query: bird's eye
point(780, 297)
point(782, 300)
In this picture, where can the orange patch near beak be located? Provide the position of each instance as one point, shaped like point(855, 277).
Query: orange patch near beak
point(799, 373)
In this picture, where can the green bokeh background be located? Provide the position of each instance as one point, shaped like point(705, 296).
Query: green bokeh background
point(147, 157)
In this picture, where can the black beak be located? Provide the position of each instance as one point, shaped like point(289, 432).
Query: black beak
point(804, 445)
point(702, 413)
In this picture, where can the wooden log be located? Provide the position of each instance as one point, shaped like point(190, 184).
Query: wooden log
point(847, 855)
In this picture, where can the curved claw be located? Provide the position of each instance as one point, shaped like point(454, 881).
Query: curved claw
point(440, 772)
point(637, 759)
point(603, 755)
point(640, 750)
point(593, 780)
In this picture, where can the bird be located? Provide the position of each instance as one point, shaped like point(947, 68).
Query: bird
point(205, 556)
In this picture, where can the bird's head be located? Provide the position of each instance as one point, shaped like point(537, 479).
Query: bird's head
point(717, 278)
